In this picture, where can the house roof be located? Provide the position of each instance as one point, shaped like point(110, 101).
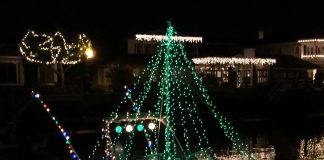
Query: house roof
point(282, 61)
point(287, 61)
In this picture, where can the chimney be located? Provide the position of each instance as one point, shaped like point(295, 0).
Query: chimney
point(260, 34)
point(249, 52)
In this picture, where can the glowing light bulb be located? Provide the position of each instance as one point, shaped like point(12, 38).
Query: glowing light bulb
point(140, 127)
point(150, 143)
point(36, 95)
point(129, 128)
point(151, 126)
point(119, 129)
point(89, 53)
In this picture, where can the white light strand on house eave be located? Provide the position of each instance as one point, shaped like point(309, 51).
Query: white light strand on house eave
point(234, 61)
point(310, 40)
point(146, 37)
point(312, 56)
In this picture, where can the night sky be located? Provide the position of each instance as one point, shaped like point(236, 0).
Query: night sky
point(108, 23)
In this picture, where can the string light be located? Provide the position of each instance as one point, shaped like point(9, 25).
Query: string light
point(95, 148)
point(129, 118)
point(89, 53)
point(146, 37)
point(151, 126)
point(119, 129)
point(46, 49)
point(312, 56)
point(179, 90)
point(311, 148)
point(140, 127)
point(129, 128)
point(310, 40)
point(234, 61)
point(64, 133)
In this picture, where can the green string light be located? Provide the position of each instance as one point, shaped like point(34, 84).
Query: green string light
point(178, 89)
point(95, 148)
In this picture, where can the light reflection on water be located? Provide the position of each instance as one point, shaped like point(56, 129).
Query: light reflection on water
point(311, 149)
point(264, 153)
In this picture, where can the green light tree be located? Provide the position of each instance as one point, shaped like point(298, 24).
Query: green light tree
point(53, 49)
point(169, 93)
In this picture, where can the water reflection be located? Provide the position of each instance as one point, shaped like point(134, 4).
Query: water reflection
point(264, 153)
point(311, 149)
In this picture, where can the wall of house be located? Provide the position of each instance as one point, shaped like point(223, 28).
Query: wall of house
point(112, 77)
point(141, 47)
point(313, 52)
point(103, 77)
point(312, 48)
point(287, 48)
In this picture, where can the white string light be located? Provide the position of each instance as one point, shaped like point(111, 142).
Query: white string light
point(42, 48)
point(310, 40)
point(233, 60)
point(312, 56)
point(129, 117)
point(311, 148)
point(146, 37)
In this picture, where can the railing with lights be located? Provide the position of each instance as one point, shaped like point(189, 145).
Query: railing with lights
point(128, 118)
point(146, 37)
point(234, 61)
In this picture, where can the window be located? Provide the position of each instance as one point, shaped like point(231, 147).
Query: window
point(297, 50)
point(8, 73)
point(219, 74)
point(139, 48)
point(245, 78)
point(262, 76)
point(150, 49)
point(290, 75)
point(305, 51)
point(107, 76)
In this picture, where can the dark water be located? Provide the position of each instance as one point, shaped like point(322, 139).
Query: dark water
point(281, 122)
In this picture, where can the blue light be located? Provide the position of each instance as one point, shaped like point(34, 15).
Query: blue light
point(150, 143)
point(64, 134)
point(136, 107)
point(74, 156)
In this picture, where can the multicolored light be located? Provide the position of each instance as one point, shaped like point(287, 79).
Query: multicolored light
point(64, 133)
